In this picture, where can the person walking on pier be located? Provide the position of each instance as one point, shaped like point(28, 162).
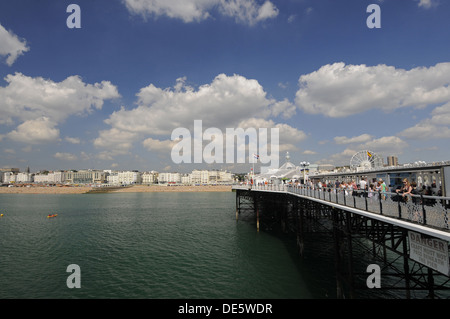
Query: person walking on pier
point(383, 189)
point(363, 184)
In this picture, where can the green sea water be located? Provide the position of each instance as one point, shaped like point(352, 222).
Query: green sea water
point(147, 246)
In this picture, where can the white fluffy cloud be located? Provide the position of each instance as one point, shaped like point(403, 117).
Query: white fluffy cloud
point(72, 140)
point(244, 11)
point(248, 11)
point(65, 156)
point(289, 136)
point(223, 103)
point(385, 145)
point(11, 46)
point(356, 139)
point(437, 126)
point(340, 90)
point(157, 145)
point(426, 3)
point(115, 141)
point(45, 104)
point(26, 98)
point(227, 102)
point(37, 131)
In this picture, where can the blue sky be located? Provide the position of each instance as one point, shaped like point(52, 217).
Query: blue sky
point(108, 95)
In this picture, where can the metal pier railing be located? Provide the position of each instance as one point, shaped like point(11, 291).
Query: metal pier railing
point(421, 209)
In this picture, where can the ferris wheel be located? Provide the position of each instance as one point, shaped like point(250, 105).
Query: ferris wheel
point(365, 160)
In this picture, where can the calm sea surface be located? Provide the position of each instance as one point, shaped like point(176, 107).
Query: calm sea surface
point(150, 245)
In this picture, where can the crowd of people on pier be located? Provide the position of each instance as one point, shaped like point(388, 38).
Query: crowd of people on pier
point(373, 189)
point(378, 188)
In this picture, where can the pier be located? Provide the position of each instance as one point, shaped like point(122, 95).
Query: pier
point(409, 240)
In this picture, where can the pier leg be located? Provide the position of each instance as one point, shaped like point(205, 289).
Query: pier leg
point(430, 284)
point(350, 253)
point(406, 266)
point(337, 255)
point(300, 241)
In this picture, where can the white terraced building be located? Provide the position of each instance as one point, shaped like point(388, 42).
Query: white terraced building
point(124, 178)
point(166, 178)
point(24, 177)
point(150, 177)
point(51, 177)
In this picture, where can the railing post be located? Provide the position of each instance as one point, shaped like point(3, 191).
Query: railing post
point(366, 195)
point(424, 213)
point(381, 203)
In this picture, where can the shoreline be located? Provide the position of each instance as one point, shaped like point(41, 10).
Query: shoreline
point(131, 189)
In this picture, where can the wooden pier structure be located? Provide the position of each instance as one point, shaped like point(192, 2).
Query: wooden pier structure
point(408, 241)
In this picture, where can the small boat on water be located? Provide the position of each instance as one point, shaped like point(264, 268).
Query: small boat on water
point(52, 215)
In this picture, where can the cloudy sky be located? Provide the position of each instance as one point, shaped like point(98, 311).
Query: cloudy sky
point(108, 95)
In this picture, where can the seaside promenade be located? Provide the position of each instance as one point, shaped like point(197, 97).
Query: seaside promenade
point(131, 189)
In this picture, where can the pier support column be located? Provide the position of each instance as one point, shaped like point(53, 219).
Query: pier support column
point(406, 265)
point(337, 254)
point(348, 221)
point(430, 284)
point(300, 239)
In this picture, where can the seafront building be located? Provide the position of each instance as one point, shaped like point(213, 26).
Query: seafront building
point(7, 175)
point(129, 177)
point(123, 177)
point(9, 178)
point(169, 178)
point(149, 178)
point(86, 177)
point(57, 177)
point(198, 177)
point(24, 177)
point(392, 161)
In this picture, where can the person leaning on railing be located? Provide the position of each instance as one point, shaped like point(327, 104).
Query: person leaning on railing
point(415, 191)
point(404, 190)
